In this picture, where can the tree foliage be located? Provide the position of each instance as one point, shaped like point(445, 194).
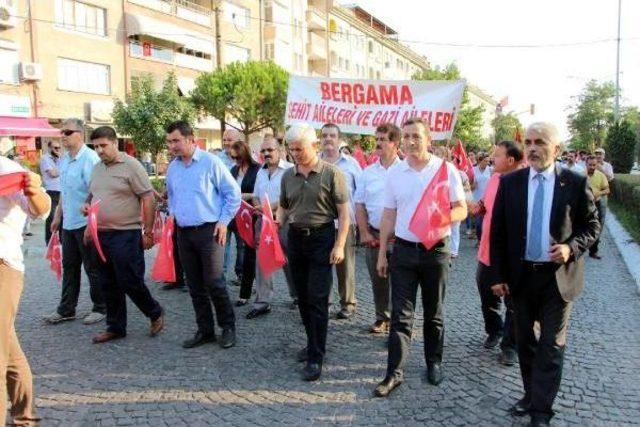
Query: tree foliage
point(591, 115)
point(146, 112)
point(505, 127)
point(469, 124)
point(621, 144)
point(252, 93)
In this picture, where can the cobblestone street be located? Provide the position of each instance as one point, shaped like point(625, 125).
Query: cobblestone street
point(154, 381)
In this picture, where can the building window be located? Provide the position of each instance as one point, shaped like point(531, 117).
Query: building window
point(84, 18)
point(233, 53)
point(237, 15)
point(87, 77)
point(269, 51)
point(347, 65)
point(370, 46)
point(9, 64)
point(340, 63)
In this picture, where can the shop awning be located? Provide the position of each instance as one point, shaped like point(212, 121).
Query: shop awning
point(20, 126)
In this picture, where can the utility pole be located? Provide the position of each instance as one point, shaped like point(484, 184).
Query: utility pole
point(215, 5)
point(616, 111)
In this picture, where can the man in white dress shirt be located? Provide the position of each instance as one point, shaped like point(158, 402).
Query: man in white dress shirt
point(369, 198)
point(15, 374)
point(268, 182)
point(412, 264)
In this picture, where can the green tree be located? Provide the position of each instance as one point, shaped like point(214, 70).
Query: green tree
point(591, 115)
point(145, 113)
point(621, 144)
point(505, 127)
point(469, 124)
point(252, 93)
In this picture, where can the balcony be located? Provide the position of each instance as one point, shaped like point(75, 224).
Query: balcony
point(157, 53)
point(316, 19)
point(316, 47)
point(189, 10)
point(193, 62)
point(269, 31)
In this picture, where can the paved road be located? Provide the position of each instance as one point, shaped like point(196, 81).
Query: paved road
point(145, 381)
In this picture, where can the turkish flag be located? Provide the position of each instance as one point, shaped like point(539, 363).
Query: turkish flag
point(12, 183)
point(244, 223)
point(432, 217)
point(461, 160)
point(54, 255)
point(92, 223)
point(270, 254)
point(518, 136)
point(163, 269)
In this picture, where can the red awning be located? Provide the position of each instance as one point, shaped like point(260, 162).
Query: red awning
point(20, 126)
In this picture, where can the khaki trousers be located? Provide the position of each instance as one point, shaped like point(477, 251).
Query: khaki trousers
point(15, 374)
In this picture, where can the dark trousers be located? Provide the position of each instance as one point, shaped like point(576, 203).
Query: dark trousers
point(74, 255)
point(202, 259)
point(478, 220)
point(541, 361)
point(412, 267)
point(601, 205)
point(248, 262)
point(491, 307)
point(177, 262)
point(123, 274)
point(312, 275)
point(55, 198)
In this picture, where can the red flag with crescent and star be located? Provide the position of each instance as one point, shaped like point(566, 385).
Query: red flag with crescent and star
point(12, 183)
point(92, 224)
point(54, 255)
point(244, 223)
point(461, 161)
point(432, 217)
point(270, 255)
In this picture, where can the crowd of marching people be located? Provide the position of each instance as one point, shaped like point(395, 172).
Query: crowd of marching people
point(304, 208)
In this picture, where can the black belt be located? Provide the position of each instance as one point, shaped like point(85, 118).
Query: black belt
point(308, 230)
point(372, 228)
point(417, 245)
point(197, 227)
point(540, 267)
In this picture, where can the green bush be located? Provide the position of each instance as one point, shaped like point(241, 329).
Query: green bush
point(158, 184)
point(621, 143)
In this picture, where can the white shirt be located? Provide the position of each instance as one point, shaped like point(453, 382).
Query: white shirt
point(13, 214)
point(544, 228)
point(370, 191)
point(270, 184)
point(405, 187)
point(47, 163)
point(352, 171)
point(481, 179)
point(607, 170)
point(578, 168)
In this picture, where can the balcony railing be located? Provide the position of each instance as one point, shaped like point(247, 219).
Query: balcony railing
point(158, 53)
point(185, 9)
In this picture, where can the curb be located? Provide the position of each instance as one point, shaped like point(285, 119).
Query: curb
point(627, 247)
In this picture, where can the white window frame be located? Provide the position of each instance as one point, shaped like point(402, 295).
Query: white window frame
point(99, 30)
point(231, 12)
point(11, 66)
point(82, 78)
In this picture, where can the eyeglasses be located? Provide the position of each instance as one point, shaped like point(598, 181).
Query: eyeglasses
point(267, 150)
point(55, 148)
point(68, 132)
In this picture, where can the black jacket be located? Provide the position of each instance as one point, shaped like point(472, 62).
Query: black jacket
point(574, 221)
point(248, 182)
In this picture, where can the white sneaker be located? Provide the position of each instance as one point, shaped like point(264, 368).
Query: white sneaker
point(92, 318)
point(55, 317)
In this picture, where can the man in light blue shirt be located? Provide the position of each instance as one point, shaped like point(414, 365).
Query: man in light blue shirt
point(346, 270)
point(76, 168)
point(203, 198)
point(50, 171)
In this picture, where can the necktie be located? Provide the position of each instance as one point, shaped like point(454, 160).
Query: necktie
point(534, 246)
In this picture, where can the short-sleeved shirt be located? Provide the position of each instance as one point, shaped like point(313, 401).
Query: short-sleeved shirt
point(270, 185)
point(597, 182)
point(370, 191)
point(488, 200)
point(481, 179)
point(75, 177)
point(47, 163)
point(352, 171)
point(119, 187)
point(405, 187)
point(313, 200)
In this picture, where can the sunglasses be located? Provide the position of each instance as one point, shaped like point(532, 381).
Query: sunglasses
point(55, 148)
point(68, 132)
point(267, 150)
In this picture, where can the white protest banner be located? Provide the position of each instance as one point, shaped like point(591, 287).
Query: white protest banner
point(359, 106)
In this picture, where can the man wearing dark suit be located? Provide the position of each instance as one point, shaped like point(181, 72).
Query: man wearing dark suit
point(544, 219)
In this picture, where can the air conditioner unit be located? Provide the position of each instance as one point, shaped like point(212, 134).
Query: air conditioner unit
point(7, 17)
point(30, 71)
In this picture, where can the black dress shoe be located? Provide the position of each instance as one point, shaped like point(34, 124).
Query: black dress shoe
point(228, 338)
point(302, 355)
point(595, 256)
point(520, 408)
point(508, 357)
point(539, 421)
point(312, 372)
point(258, 312)
point(386, 386)
point(199, 339)
point(242, 302)
point(492, 341)
point(434, 373)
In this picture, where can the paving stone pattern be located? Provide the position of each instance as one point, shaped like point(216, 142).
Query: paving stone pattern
point(153, 381)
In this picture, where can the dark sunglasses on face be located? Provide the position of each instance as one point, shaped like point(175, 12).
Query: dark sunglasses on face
point(55, 148)
point(68, 132)
point(267, 150)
